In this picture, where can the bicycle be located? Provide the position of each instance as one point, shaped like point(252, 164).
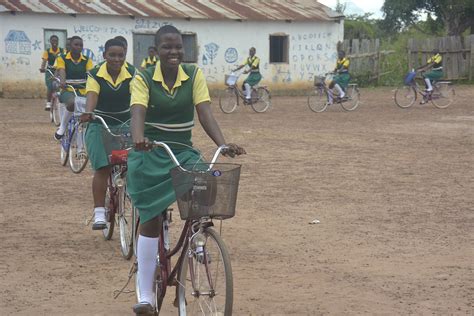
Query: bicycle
point(441, 96)
point(118, 205)
point(205, 192)
point(54, 114)
point(73, 148)
point(318, 98)
point(230, 97)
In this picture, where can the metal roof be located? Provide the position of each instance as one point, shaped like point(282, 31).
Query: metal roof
point(255, 10)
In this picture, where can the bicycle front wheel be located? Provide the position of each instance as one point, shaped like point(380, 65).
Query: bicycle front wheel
point(352, 101)
point(228, 100)
point(65, 143)
point(317, 100)
point(55, 116)
point(125, 221)
point(205, 285)
point(109, 211)
point(261, 99)
point(405, 96)
point(442, 95)
point(78, 157)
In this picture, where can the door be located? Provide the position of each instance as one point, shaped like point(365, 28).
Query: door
point(61, 34)
point(141, 42)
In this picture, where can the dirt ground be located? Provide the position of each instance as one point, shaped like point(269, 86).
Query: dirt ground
point(393, 190)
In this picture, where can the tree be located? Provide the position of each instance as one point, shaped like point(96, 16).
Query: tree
point(456, 15)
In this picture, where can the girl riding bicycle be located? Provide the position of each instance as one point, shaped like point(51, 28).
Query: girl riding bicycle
point(108, 94)
point(341, 79)
point(163, 101)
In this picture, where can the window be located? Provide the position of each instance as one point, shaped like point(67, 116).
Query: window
point(190, 48)
point(279, 48)
point(61, 34)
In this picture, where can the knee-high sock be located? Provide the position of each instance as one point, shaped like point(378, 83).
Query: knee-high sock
point(429, 87)
point(339, 89)
point(330, 97)
point(248, 91)
point(147, 251)
point(64, 120)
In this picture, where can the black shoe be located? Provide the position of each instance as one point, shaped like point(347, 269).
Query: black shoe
point(143, 309)
point(58, 136)
point(99, 225)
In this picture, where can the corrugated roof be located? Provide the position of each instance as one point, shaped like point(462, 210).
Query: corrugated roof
point(291, 10)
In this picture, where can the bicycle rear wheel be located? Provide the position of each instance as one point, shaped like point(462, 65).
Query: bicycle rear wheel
point(55, 116)
point(228, 100)
point(317, 100)
point(405, 96)
point(125, 221)
point(65, 143)
point(205, 285)
point(352, 101)
point(109, 211)
point(442, 95)
point(78, 157)
point(261, 99)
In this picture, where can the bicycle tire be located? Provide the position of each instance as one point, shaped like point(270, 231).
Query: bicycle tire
point(187, 302)
point(353, 99)
point(442, 95)
point(77, 158)
point(405, 96)
point(125, 221)
point(64, 143)
point(109, 212)
point(54, 112)
point(317, 100)
point(262, 101)
point(228, 100)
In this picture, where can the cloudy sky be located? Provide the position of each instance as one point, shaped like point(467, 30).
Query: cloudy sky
point(372, 6)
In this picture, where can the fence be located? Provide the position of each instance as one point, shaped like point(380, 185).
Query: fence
point(457, 52)
point(366, 58)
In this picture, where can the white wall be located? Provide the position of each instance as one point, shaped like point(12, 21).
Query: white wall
point(312, 46)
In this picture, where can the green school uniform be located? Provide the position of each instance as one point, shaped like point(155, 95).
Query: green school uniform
point(254, 77)
point(436, 72)
point(342, 78)
point(169, 118)
point(113, 105)
point(50, 56)
point(74, 71)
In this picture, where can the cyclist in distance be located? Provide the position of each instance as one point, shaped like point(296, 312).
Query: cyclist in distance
point(164, 98)
point(108, 94)
point(342, 77)
point(71, 66)
point(49, 59)
point(254, 77)
point(151, 59)
point(435, 64)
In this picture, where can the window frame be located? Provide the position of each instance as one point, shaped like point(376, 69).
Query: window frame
point(285, 49)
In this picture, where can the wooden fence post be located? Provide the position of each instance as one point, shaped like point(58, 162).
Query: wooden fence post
point(471, 59)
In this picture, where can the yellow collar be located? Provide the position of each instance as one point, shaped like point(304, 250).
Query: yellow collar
point(151, 60)
point(158, 76)
point(69, 56)
point(123, 75)
point(54, 52)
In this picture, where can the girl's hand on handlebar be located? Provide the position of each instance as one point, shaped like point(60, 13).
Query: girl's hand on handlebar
point(233, 150)
point(142, 144)
point(42, 70)
point(85, 117)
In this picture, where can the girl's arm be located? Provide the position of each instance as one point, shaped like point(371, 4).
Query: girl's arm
point(137, 127)
point(91, 104)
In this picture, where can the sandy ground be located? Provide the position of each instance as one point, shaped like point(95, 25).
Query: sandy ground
point(393, 190)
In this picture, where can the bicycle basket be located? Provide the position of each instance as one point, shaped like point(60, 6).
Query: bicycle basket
point(116, 146)
point(231, 80)
point(318, 81)
point(79, 105)
point(206, 192)
point(409, 77)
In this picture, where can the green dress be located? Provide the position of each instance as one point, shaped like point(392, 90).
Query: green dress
point(169, 118)
point(113, 105)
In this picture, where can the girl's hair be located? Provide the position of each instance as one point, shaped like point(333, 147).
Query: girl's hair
point(165, 29)
point(53, 36)
point(123, 39)
point(113, 42)
point(75, 37)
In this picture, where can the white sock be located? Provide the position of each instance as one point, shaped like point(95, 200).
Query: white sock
point(429, 87)
point(99, 214)
point(48, 104)
point(64, 120)
point(147, 252)
point(330, 98)
point(339, 89)
point(248, 91)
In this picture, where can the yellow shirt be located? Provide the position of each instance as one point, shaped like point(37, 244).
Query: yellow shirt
point(148, 61)
point(141, 93)
point(60, 64)
point(45, 53)
point(92, 84)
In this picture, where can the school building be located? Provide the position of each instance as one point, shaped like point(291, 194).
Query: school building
point(295, 39)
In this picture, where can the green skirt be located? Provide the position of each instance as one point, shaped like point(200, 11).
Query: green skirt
point(342, 79)
point(434, 75)
point(149, 181)
point(48, 80)
point(96, 137)
point(253, 79)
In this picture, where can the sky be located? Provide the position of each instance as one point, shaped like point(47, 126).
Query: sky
point(372, 6)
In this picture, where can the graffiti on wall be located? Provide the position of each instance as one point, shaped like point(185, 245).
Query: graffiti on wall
point(147, 24)
point(210, 53)
point(231, 55)
point(17, 42)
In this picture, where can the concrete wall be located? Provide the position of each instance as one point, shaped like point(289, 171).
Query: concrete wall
point(221, 45)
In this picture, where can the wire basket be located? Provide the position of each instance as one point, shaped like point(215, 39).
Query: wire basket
point(206, 192)
point(409, 77)
point(318, 80)
point(116, 146)
point(79, 105)
point(231, 80)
